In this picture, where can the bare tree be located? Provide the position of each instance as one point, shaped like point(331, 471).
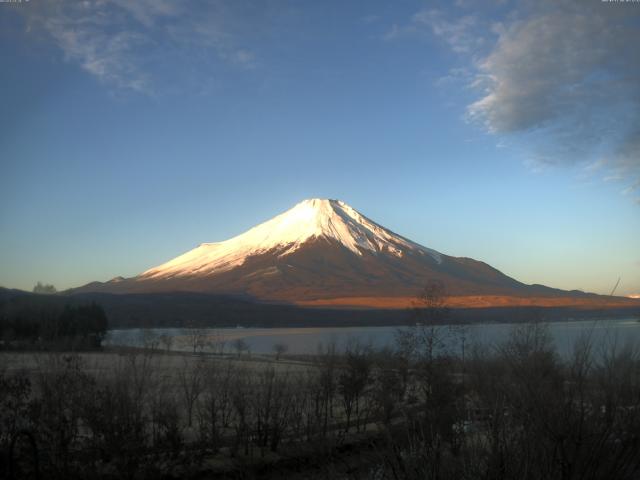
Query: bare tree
point(426, 338)
point(165, 424)
point(150, 340)
point(216, 408)
point(326, 363)
point(58, 410)
point(15, 392)
point(391, 374)
point(196, 339)
point(270, 406)
point(240, 345)
point(280, 349)
point(217, 343)
point(192, 384)
point(119, 413)
point(240, 395)
point(353, 379)
point(167, 341)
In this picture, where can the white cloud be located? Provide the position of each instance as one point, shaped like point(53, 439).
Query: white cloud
point(455, 75)
point(147, 11)
point(123, 42)
point(561, 76)
point(635, 186)
point(372, 18)
point(550, 66)
point(244, 57)
point(395, 31)
point(107, 57)
point(460, 34)
point(568, 77)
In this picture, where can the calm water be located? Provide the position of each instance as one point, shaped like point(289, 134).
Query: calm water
point(306, 340)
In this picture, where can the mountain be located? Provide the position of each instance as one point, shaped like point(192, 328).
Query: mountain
point(324, 252)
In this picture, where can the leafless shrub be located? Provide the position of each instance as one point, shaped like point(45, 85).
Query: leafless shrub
point(241, 407)
point(391, 375)
point(353, 379)
point(240, 345)
point(150, 340)
point(518, 411)
point(326, 365)
point(191, 378)
point(166, 341)
point(216, 408)
point(195, 339)
point(280, 349)
point(271, 404)
point(58, 409)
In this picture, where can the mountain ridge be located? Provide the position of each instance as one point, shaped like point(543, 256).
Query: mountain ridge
point(320, 251)
point(310, 219)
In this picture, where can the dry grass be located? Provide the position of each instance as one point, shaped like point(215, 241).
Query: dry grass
point(112, 360)
point(477, 301)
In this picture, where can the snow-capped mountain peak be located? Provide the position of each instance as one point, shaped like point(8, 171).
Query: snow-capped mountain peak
point(324, 252)
point(314, 218)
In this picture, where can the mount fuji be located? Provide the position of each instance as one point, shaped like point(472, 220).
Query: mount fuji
point(324, 252)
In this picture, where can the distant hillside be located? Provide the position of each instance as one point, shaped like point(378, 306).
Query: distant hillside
point(188, 309)
point(43, 321)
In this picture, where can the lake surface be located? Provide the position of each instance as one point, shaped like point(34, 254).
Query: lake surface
point(306, 340)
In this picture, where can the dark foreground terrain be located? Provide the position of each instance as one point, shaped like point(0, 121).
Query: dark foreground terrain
point(512, 411)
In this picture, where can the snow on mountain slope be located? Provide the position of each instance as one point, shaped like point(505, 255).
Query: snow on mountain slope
point(321, 251)
point(285, 233)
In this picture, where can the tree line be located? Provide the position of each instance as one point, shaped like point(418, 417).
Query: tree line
point(38, 321)
point(516, 410)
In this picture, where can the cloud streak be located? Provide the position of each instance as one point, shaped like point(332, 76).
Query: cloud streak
point(123, 43)
point(566, 75)
point(459, 34)
point(560, 76)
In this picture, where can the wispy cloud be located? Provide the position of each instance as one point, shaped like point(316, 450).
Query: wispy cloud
point(148, 11)
point(372, 18)
point(459, 34)
point(561, 76)
point(565, 74)
point(124, 43)
point(106, 56)
point(455, 75)
point(631, 189)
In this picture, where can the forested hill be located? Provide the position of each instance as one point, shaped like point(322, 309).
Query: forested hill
point(29, 320)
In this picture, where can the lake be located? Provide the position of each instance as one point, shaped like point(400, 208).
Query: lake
point(306, 340)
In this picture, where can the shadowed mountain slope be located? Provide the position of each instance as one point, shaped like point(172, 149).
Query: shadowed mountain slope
point(325, 251)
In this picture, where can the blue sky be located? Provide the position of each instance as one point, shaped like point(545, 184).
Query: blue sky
point(504, 131)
